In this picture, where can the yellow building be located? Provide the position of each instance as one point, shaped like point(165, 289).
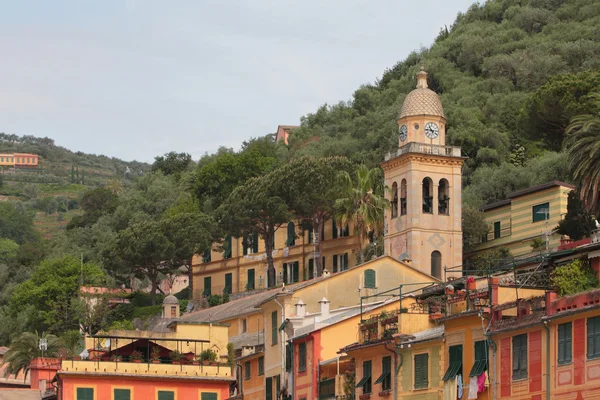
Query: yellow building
point(425, 177)
point(527, 214)
point(242, 265)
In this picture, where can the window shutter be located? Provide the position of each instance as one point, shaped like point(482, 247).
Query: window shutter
point(323, 263)
point(370, 279)
point(269, 389)
point(296, 271)
point(245, 244)
point(291, 234)
point(561, 343)
point(345, 261)
point(274, 327)
point(85, 394)
point(334, 229)
point(166, 395)
point(335, 263)
point(288, 356)
point(285, 273)
point(568, 342)
point(311, 268)
point(122, 394)
point(250, 284)
point(207, 396)
point(515, 354)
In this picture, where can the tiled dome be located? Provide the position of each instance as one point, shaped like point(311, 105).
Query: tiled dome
point(170, 299)
point(422, 101)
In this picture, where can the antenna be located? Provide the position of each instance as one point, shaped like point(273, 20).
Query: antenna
point(43, 345)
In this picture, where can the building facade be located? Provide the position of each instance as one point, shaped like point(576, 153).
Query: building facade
point(18, 160)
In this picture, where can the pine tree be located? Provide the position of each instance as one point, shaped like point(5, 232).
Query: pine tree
point(72, 174)
point(77, 175)
point(83, 176)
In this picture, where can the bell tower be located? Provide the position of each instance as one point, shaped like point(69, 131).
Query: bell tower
point(424, 176)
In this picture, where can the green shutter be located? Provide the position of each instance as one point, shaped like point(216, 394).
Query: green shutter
point(302, 357)
point(291, 234)
point(247, 370)
point(519, 353)
point(228, 283)
point(206, 256)
point(208, 396)
point(269, 389)
point(245, 244)
point(288, 356)
point(166, 395)
point(323, 263)
point(255, 242)
point(285, 273)
point(311, 268)
point(261, 365)
point(296, 271)
point(335, 263)
point(455, 363)
point(85, 394)
point(497, 230)
point(367, 374)
point(370, 279)
point(345, 261)
point(421, 371)
point(334, 229)
point(207, 286)
point(227, 247)
point(250, 284)
point(274, 327)
point(122, 394)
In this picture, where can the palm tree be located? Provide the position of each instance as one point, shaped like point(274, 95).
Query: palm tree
point(362, 202)
point(25, 348)
point(583, 148)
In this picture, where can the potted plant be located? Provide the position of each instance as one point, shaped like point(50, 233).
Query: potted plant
point(471, 284)
point(176, 357)
point(365, 396)
point(136, 356)
point(208, 356)
point(155, 355)
point(385, 393)
point(115, 357)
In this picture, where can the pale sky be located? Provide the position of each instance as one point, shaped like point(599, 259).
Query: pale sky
point(138, 78)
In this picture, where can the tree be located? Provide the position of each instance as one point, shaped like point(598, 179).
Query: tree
point(575, 277)
point(583, 147)
point(363, 202)
point(95, 203)
point(578, 223)
point(308, 185)
point(255, 207)
point(17, 224)
point(25, 348)
point(172, 163)
point(474, 227)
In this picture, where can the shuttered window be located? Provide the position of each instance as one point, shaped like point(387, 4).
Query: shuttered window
point(274, 327)
point(334, 229)
point(228, 283)
point(386, 373)
point(497, 230)
point(269, 389)
point(206, 256)
point(291, 235)
point(261, 366)
point(122, 394)
point(208, 396)
point(455, 364)
point(207, 286)
point(370, 279)
point(365, 382)
point(421, 371)
point(480, 364)
point(593, 337)
point(311, 268)
point(288, 356)
point(519, 354)
point(541, 212)
point(335, 263)
point(85, 394)
point(564, 343)
point(250, 284)
point(166, 395)
point(227, 247)
point(247, 370)
point(302, 357)
point(345, 262)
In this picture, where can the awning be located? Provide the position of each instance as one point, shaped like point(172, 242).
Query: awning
point(478, 367)
point(382, 377)
point(282, 326)
point(452, 371)
point(362, 382)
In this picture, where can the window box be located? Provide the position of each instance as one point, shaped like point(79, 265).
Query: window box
point(365, 396)
point(435, 316)
point(385, 393)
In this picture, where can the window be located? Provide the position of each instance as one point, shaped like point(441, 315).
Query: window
point(365, 382)
point(228, 283)
point(207, 286)
point(269, 389)
point(227, 247)
point(370, 279)
point(427, 196)
point(174, 312)
point(421, 371)
point(261, 365)
point(291, 235)
point(247, 370)
point(274, 328)
point(122, 394)
point(541, 212)
point(394, 202)
point(85, 394)
point(497, 230)
point(339, 232)
point(340, 262)
point(302, 357)
point(443, 198)
point(288, 356)
point(403, 197)
point(291, 272)
point(519, 353)
point(250, 243)
point(455, 363)
point(564, 343)
point(593, 337)
point(206, 256)
point(244, 325)
point(166, 395)
point(208, 396)
point(311, 268)
point(480, 364)
point(386, 377)
point(334, 230)
point(250, 284)
point(436, 264)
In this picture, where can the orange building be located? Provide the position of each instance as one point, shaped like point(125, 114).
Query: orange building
point(18, 159)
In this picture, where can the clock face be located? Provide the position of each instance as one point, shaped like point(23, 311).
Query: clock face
point(403, 133)
point(431, 130)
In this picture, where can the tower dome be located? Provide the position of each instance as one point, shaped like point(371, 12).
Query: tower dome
point(170, 299)
point(422, 100)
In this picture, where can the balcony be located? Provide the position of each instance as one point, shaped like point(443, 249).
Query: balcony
point(327, 389)
point(424, 148)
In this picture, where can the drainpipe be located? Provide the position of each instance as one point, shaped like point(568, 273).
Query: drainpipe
point(282, 380)
point(545, 326)
point(396, 369)
point(494, 353)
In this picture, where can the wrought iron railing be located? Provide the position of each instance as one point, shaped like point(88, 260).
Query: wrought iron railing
point(424, 148)
point(327, 389)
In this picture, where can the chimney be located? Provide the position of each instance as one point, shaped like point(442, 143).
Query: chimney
point(324, 308)
point(325, 273)
point(300, 308)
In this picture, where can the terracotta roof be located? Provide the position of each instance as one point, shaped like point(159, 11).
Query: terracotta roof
point(248, 339)
point(19, 394)
point(537, 188)
point(422, 101)
point(170, 299)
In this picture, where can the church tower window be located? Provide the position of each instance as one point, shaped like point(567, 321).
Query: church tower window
point(394, 202)
point(436, 264)
point(427, 196)
point(443, 198)
point(403, 197)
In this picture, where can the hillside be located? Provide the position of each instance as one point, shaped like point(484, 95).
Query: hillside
point(511, 73)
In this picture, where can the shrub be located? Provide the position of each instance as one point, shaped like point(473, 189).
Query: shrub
point(575, 277)
point(147, 312)
point(208, 355)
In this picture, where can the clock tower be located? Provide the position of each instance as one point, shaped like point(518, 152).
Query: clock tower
point(424, 178)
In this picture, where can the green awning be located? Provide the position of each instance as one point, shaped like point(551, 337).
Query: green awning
point(282, 326)
point(362, 382)
point(478, 367)
point(452, 371)
point(382, 377)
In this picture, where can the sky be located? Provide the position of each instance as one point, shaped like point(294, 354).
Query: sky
point(134, 79)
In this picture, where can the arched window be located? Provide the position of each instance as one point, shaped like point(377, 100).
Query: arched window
point(370, 279)
point(394, 200)
point(436, 264)
point(403, 197)
point(427, 195)
point(291, 234)
point(443, 198)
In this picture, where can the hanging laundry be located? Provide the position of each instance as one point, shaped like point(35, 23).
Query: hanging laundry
point(473, 388)
point(450, 389)
point(459, 387)
point(481, 382)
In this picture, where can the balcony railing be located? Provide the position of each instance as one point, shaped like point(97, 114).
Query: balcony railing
point(116, 367)
point(424, 148)
point(327, 389)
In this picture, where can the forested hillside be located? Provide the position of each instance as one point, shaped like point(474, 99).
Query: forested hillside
point(511, 74)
